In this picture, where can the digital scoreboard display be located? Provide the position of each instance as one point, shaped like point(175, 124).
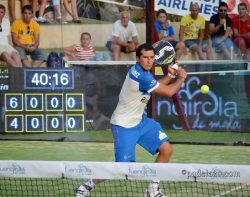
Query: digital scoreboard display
point(41, 100)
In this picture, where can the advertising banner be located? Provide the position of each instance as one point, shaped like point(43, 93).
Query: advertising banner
point(207, 7)
point(225, 107)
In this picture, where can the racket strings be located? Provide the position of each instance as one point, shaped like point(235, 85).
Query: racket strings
point(164, 53)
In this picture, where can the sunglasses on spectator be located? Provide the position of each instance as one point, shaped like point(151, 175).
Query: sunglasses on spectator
point(28, 29)
point(1, 28)
point(223, 10)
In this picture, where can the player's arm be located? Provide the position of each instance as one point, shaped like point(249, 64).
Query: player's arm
point(171, 89)
point(165, 80)
point(168, 78)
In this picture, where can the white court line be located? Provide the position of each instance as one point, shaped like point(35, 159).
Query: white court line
point(230, 191)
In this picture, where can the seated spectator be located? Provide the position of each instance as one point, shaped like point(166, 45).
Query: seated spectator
point(26, 36)
point(7, 52)
point(72, 10)
point(84, 51)
point(165, 31)
point(220, 27)
point(35, 6)
point(192, 33)
point(12, 8)
point(124, 36)
point(241, 30)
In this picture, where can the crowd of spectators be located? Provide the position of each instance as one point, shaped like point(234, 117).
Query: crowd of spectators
point(39, 9)
point(223, 35)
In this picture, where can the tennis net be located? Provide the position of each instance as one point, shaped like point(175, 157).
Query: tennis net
point(61, 178)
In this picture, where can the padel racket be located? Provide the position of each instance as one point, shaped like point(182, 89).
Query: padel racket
point(164, 56)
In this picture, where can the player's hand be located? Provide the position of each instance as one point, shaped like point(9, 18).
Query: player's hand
point(172, 69)
point(182, 74)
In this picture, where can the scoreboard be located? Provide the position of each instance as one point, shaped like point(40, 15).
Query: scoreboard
point(41, 100)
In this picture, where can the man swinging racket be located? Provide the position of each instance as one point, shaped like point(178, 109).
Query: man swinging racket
point(130, 126)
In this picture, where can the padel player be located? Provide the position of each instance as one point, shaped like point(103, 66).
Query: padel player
point(130, 125)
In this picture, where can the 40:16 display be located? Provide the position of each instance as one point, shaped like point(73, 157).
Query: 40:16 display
point(44, 79)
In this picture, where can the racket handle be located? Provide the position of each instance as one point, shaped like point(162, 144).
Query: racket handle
point(175, 66)
point(178, 105)
point(182, 116)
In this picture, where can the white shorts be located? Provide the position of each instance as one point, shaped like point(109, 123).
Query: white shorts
point(7, 48)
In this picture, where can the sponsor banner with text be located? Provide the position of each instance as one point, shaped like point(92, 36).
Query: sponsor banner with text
point(207, 7)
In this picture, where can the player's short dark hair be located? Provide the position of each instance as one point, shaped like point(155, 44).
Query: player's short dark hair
point(143, 47)
point(27, 7)
point(223, 4)
point(242, 4)
point(161, 11)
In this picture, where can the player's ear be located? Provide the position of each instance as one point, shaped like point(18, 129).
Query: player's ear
point(137, 59)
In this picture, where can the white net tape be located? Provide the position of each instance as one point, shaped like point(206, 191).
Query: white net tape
point(132, 171)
